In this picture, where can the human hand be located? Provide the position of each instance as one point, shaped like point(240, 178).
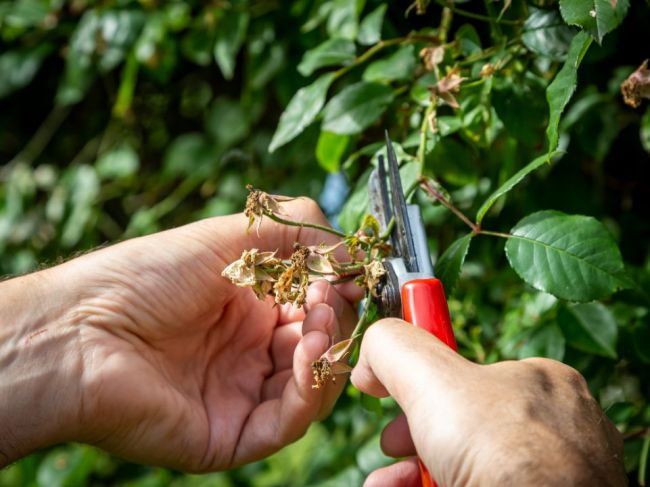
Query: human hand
point(159, 359)
point(529, 422)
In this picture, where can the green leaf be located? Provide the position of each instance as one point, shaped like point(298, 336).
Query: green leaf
point(644, 131)
point(332, 52)
point(573, 257)
point(84, 189)
point(372, 404)
point(66, 467)
point(18, 68)
point(589, 327)
point(598, 17)
point(356, 205)
point(190, 155)
point(513, 181)
point(453, 160)
point(370, 28)
point(560, 91)
point(546, 35)
point(399, 66)
point(227, 122)
point(330, 150)
point(356, 107)
point(450, 263)
point(230, 36)
point(468, 40)
point(301, 111)
point(121, 162)
point(343, 21)
point(544, 341)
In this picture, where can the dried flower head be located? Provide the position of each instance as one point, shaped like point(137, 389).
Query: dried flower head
point(372, 274)
point(487, 70)
point(432, 57)
point(254, 269)
point(291, 286)
point(259, 203)
point(637, 86)
point(447, 86)
point(331, 363)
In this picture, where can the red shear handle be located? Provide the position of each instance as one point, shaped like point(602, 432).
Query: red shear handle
point(424, 304)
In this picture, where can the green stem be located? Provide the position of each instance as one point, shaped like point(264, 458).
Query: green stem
point(361, 326)
point(472, 15)
point(643, 460)
point(424, 130)
point(494, 234)
point(389, 229)
point(316, 226)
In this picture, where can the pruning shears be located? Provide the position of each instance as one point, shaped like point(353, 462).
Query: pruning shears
point(410, 291)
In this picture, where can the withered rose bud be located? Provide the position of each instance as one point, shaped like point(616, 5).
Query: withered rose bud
point(447, 86)
point(330, 363)
point(487, 70)
point(637, 86)
point(291, 286)
point(254, 269)
point(372, 274)
point(258, 203)
point(432, 57)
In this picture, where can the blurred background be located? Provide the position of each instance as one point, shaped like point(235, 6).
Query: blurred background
point(120, 118)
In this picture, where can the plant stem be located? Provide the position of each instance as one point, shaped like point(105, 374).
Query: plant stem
point(361, 326)
point(424, 184)
point(316, 226)
point(494, 234)
point(424, 130)
point(472, 15)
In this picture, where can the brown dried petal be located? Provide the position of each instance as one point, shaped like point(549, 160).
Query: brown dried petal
point(637, 86)
point(320, 264)
point(432, 57)
point(337, 351)
point(373, 273)
point(240, 273)
point(447, 86)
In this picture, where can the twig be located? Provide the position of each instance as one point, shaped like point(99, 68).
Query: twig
point(361, 325)
point(424, 184)
point(316, 226)
point(472, 15)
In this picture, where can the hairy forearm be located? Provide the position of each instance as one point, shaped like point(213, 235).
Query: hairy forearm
point(37, 397)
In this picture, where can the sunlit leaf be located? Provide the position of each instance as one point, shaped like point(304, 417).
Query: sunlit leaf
point(560, 91)
point(450, 263)
point(598, 17)
point(370, 27)
point(332, 52)
point(513, 181)
point(356, 107)
point(573, 257)
point(301, 111)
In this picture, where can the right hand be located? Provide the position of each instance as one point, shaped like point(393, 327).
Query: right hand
point(528, 422)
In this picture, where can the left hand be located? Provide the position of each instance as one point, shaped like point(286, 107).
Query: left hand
point(161, 360)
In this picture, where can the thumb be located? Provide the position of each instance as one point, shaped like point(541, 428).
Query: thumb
point(406, 362)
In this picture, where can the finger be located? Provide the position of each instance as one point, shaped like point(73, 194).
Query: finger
point(323, 292)
point(278, 422)
point(274, 385)
point(283, 344)
point(321, 318)
point(396, 438)
point(401, 474)
point(288, 313)
point(409, 363)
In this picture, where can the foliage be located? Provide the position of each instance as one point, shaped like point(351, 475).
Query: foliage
point(121, 118)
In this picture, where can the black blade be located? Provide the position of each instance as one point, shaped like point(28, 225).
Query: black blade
point(403, 240)
point(383, 189)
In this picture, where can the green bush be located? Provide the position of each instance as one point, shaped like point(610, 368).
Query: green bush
point(120, 118)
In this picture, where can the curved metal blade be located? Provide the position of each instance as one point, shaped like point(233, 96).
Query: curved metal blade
point(403, 237)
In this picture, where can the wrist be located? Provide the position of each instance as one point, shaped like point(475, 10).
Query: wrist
point(39, 384)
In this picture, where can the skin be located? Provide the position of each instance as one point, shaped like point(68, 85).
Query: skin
point(143, 349)
point(529, 422)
